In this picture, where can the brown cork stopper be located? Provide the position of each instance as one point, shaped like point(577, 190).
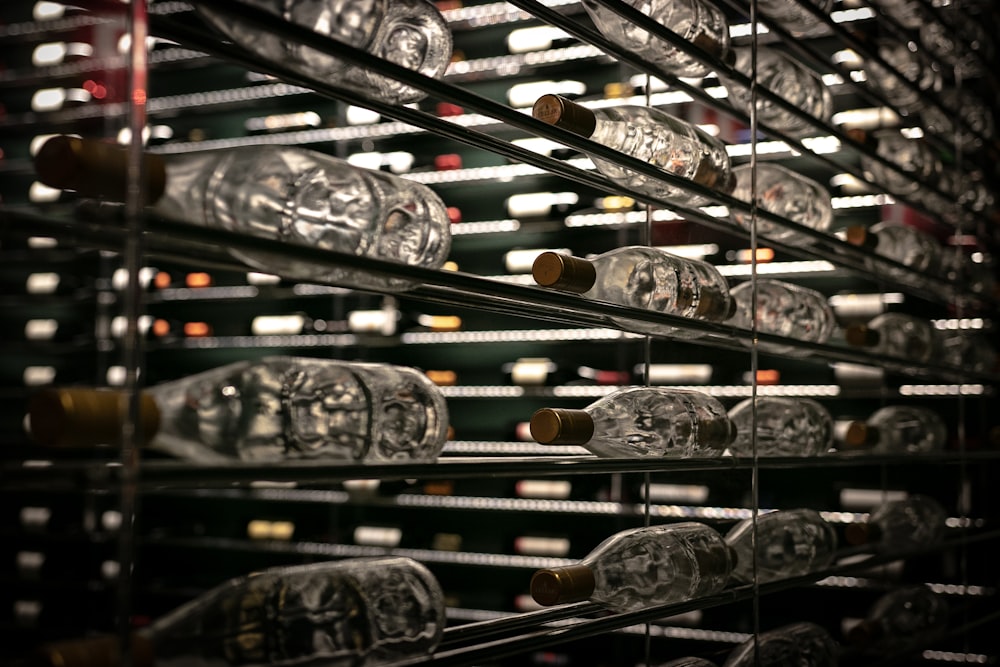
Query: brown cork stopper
point(558, 585)
point(865, 632)
point(563, 272)
point(857, 534)
point(860, 435)
point(860, 335)
point(95, 168)
point(711, 46)
point(859, 235)
point(79, 417)
point(559, 426)
point(561, 112)
point(716, 432)
point(94, 652)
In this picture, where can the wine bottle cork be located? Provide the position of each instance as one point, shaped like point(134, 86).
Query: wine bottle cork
point(559, 585)
point(559, 426)
point(95, 169)
point(561, 112)
point(563, 272)
point(861, 336)
point(81, 417)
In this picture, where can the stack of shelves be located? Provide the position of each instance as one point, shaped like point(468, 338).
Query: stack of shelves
point(495, 506)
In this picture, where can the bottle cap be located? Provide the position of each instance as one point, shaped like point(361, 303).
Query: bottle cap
point(561, 112)
point(716, 433)
point(862, 137)
point(564, 272)
point(859, 435)
point(562, 584)
point(86, 417)
point(857, 534)
point(860, 335)
point(95, 168)
point(712, 175)
point(715, 307)
point(865, 632)
point(94, 652)
point(860, 236)
point(559, 426)
point(710, 45)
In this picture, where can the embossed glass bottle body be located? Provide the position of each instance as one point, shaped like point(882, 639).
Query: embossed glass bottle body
point(789, 543)
point(794, 17)
point(914, 66)
point(898, 525)
point(286, 194)
point(409, 33)
point(910, 615)
point(785, 427)
point(904, 244)
point(789, 80)
point(361, 612)
point(274, 409)
point(900, 429)
point(895, 335)
point(650, 135)
point(640, 568)
point(640, 422)
point(785, 193)
point(700, 23)
point(913, 157)
point(784, 309)
point(801, 644)
point(641, 277)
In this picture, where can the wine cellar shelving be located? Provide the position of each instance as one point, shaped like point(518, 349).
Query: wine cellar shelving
point(496, 506)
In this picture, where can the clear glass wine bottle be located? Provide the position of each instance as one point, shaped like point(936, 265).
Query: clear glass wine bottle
point(899, 525)
point(646, 133)
point(914, 66)
point(788, 79)
point(638, 422)
point(968, 350)
point(641, 567)
point(794, 17)
point(274, 409)
point(901, 243)
point(790, 543)
point(698, 22)
point(409, 33)
point(801, 644)
point(784, 309)
point(916, 160)
point(898, 429)
point(641, 277)
point(785, 193)
point(290, 195)
point(895, 335)
point(363, 612)
point(785, 427)
point(909, 616)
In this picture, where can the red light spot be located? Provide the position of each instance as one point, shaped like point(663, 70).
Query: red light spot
point(139, 96)
point(99, 92)
point(89, 86)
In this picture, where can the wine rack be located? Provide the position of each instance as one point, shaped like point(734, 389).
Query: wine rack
point(470, 517)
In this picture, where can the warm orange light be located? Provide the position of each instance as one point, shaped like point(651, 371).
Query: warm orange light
point(764, 255)
point(768, 377)
point(139, 96)
point(161, 328)
point(443, 378)
point(162, 280)
point(197, 329)
point(198, 279)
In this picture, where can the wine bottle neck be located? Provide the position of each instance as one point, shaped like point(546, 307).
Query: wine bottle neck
point(559, 585)
point(95, 652)
point(559, 426)
point(561, 112)
point(96, 169)
point(87, 417)
point(564, 272)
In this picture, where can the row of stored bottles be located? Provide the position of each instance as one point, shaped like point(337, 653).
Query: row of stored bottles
point(658, 543)
point(182, 563)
